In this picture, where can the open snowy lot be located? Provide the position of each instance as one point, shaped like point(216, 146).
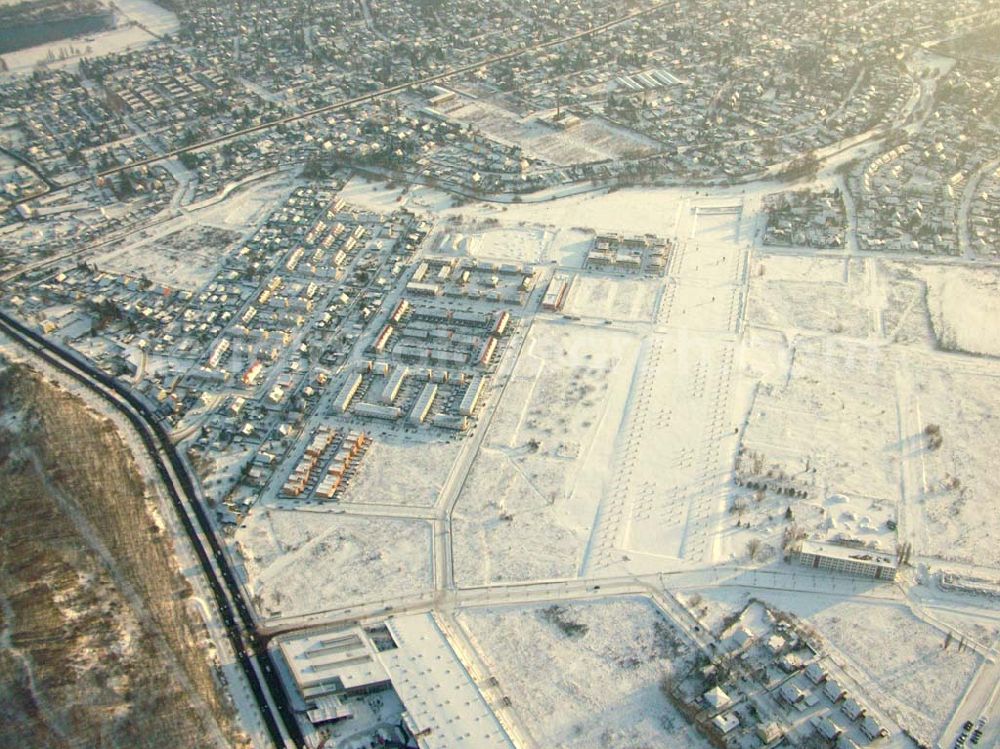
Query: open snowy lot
point(401, 473)
point(510, 244)
point(570, 247)
point(300, 563)
point(814, 294)
point(593, 139)
point(613, 298)
point(673, 454)
point(243, 205)
point(953, 487)
point(520, 242)
point(528, 506)
point(186, 258)
point(632, 211)
point(964, 305)
point(585, 675)
point(830, 429)
point(137, 23)
point(905, 318)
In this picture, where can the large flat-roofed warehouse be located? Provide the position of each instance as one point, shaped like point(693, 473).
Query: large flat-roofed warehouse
point(330, 666)
point(443, 708)
point(851, 560)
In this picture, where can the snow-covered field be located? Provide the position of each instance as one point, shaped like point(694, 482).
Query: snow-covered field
point(515, 244)
point(246, 204)
point(185, 258)
point(955, 486)
point(596, 688)
point(815, 294)
point(906, 318)
point(832, 426)
point(631, 211)
point(137, 23)
point(965, 306)
point(529, 503)
point(401, 473)
point(593, 139)
point(300, 562)
point(522, 243)
point(613, 299)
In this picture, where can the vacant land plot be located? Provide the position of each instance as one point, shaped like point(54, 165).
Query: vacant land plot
point(586, 675)
point(964, 306)
point(401, 473)
point(185, 259)
point(593, 139)
point(906, 318)
point(521, 244)
point(613, 298)
point(826, 296)
point(528, 506)
point(299, 563)
point(831, 429)
point(956, 482)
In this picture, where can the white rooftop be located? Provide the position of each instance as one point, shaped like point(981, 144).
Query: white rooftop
point(860, 554)
point(441, 699)
point(444, 707)
point(344, 656)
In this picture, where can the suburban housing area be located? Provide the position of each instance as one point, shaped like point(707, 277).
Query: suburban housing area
point(585, 374)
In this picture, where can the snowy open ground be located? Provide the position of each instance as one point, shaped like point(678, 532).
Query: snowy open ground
point(597, 689)
point(813, 294)
point(592, 139)
point(244, 204)
point(955, 487)
point(528, 507)
point(621, 299)
point(965, 306)
point(186, 258)
point(401, 473)
point(305, 563)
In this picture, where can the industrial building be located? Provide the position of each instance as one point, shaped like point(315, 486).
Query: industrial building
point(423, 404)
point(377, 411)
point(394, 383)
point(443, 708)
